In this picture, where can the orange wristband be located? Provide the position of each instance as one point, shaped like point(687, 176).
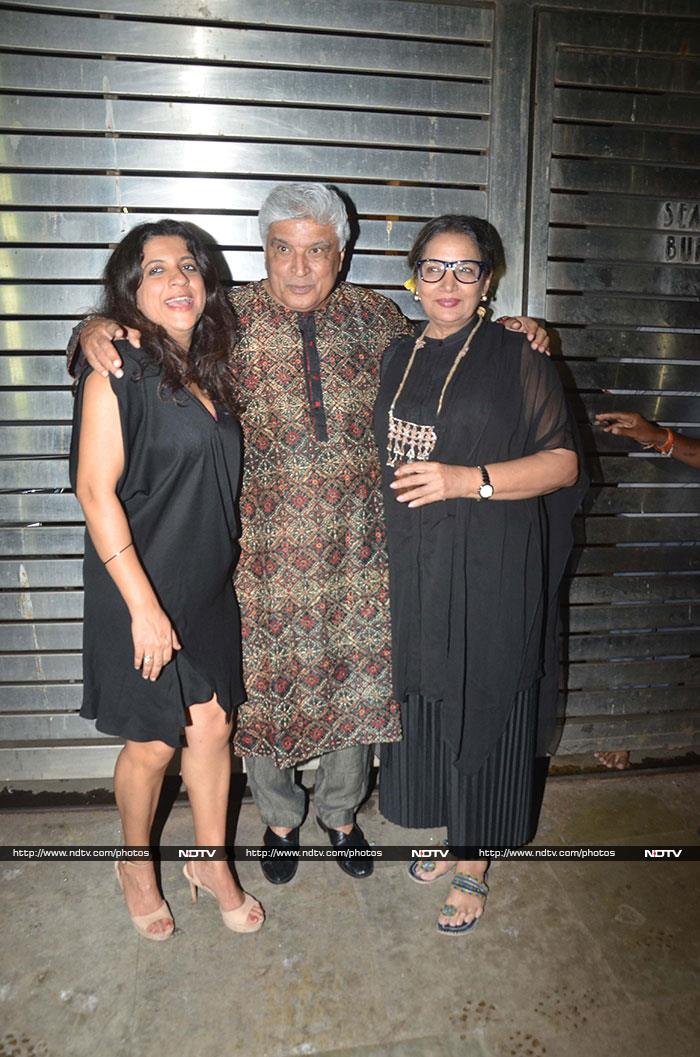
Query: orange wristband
point(667, 447)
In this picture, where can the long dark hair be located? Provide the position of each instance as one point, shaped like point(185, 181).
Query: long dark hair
point(207, 363)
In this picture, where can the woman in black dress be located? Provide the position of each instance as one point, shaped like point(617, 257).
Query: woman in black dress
point(155, 464)
point(473, 431)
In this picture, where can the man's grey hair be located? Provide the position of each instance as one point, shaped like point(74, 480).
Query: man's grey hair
point(305, 201)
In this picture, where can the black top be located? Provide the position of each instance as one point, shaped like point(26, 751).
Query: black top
point(473, 583)
point(178, 489)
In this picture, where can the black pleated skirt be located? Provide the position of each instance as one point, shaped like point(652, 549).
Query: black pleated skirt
point(419, 786)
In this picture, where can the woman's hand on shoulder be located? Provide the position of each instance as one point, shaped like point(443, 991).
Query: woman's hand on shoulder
point(420, 483)
point(97, 339)
point(535, 334)
point(154, 640)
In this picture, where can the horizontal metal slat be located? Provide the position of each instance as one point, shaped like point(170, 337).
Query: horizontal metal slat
point(239, 84)
point(52, 404)
point(646, 732)
point(612, 616)
point(34, 370)
point(46, 726)
point(47, 762)
point(41, 605)
point(621, 143)
point(589, 374)
point(88, 229)
point(620, 211)
point(31, 508)
point(24, 638)
point(623, 529)
point(594, 342)
point(573, 174)
point(654, 588)
point(624, 311)
point(55, 33)
point(605, 244)
point(155, 192)
point(611, 647)
point(41, 667)
point(145, 117)
point(30, 574)
point(612, 69)
point(655, 700)
point(624, 500)
point(35, 440)
point(667, 110)
point(32, 473)
point(675, 558)
point(374, 16)
point(591, 675)
point(51, 697)
point(660, 280)
point(54, 539)
point(628, 32)
point(38, 152)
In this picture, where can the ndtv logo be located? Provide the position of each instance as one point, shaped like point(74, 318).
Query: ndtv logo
point(429, 853)
point(195, 853)
point(663, 853)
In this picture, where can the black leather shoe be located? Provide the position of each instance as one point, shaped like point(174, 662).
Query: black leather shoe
point(356, 866)
point(279, 871)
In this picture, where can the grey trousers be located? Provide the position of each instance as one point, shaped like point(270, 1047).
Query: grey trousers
point(341, 784)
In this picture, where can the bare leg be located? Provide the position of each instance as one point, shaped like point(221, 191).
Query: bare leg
point(206, 771)
point(468, 906)
point(138, 777)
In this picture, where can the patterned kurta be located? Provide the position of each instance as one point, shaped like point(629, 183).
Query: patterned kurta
point(312, 580)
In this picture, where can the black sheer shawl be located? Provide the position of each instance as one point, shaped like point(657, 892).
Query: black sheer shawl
point(475, 584)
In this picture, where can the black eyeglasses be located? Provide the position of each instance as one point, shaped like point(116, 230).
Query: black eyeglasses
point(432, 270)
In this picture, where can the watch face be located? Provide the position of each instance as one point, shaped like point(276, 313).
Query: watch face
point(486, 491)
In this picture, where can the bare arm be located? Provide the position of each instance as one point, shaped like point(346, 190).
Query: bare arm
point(100, 465)
point(630, 424)
point(429, 482)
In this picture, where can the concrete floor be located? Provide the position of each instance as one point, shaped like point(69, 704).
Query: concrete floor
point(571, 958)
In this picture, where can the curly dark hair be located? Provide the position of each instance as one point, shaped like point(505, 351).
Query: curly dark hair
point(207, 362)
point(484, 235)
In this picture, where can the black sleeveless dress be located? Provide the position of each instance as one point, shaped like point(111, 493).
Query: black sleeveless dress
point(179, 487)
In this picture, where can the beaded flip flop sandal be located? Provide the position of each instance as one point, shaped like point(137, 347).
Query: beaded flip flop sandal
point(463, 882)
point(419, 867)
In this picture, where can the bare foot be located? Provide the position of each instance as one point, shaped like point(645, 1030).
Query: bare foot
point(468, 906)
point(229, 895)
point(138, 881)
point(614, 761)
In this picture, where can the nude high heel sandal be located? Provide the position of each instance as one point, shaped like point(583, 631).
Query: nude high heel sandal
point(236, 920)
point(142, 921)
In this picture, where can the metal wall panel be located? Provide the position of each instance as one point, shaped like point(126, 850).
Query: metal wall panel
point(116, 111)
point(107, 122)
point(613, 261)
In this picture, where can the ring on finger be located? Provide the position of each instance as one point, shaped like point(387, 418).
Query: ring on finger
point(147, 658)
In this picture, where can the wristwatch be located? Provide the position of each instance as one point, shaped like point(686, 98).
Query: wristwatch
point(485, 488)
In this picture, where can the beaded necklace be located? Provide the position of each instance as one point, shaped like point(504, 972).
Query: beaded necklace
point(409, 441)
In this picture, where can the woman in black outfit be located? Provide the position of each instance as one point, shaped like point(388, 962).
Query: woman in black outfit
point(479, 461)
point(155, 464)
